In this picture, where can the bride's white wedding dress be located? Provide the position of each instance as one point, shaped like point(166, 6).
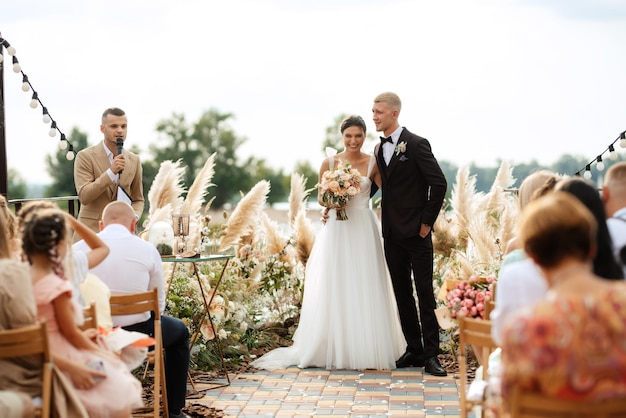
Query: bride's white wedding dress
point(349, 318)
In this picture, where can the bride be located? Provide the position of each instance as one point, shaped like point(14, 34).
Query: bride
point(349, 318)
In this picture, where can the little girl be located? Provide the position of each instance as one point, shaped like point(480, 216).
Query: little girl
point(115, 392)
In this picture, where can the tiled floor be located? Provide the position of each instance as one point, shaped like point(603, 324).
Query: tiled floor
point(294, 392)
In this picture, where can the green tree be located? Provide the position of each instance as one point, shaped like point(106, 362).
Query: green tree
point(279, 185)
point(61, 170)
point(16, 185)
point(193, 144)
point(333, 136)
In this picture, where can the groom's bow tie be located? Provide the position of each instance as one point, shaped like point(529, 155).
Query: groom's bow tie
point(387, 139)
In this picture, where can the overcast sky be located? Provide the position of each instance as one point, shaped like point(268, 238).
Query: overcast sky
point(482, 80)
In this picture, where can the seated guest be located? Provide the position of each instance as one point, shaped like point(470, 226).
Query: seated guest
point(570, 344)
point(605, 264)
point(17, 310)
point(114, 392)
point(76, 264)
point(134, 266)
point(614, 198)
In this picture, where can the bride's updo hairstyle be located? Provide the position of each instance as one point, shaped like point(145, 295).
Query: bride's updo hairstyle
point(353, 120)
point(555, 227)
point(42, 233)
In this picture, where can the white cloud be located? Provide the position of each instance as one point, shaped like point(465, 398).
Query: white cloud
point(482, 80)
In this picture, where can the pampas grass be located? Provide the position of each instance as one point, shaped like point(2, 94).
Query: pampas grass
point(463, 204)
point(195, 199)
point(275, 242)
point(199, 188)
point(245, 215)
point(297, 195)
point(305, 237)
point(167, 187)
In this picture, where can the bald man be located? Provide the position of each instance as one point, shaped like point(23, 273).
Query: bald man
point(133, 266)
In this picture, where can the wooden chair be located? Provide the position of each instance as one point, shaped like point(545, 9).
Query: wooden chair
point(91, 317)
point(29, 341)
point(147, 302)
point(477, 333)
point(489, 307)
point(531, 405)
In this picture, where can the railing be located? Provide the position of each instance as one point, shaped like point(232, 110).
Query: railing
point(72, 203)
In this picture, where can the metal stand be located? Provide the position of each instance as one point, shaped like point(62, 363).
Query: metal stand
point(207, 303)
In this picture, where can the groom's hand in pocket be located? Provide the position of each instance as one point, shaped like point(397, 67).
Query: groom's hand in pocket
point(424, 230)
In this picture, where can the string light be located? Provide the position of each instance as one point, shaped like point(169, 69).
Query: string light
point(25, 85)
point(600, 164)
point(16, 65)
point(46, 117)
point(598, 160)
point(70, 153)
point(35, 101)
point(63, 143)
point(10, 50)
point(53, 129)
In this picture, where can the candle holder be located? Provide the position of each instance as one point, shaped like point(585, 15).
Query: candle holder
point(180, 225)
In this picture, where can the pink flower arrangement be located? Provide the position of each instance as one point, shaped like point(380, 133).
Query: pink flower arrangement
point(469, 297)
point(340, 185)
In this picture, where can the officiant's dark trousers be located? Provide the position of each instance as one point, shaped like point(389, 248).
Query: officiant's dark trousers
point(176, 345)
point(406, 256)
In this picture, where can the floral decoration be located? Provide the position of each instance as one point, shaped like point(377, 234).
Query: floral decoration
point(401, 148)
point(469, 297)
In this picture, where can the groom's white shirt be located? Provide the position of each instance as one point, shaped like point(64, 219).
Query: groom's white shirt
point(388, 147)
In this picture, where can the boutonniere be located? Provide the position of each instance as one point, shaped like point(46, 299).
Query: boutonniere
point(401, 148)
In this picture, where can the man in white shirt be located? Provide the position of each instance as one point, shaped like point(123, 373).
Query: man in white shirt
point(614, 198)
point(133, 266)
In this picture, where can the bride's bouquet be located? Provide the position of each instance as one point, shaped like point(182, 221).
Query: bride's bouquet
point(338, 186)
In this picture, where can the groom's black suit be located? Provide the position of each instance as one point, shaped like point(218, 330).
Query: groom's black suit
point(413, 190)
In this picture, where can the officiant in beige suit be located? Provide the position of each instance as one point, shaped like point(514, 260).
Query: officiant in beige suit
point(102, 175)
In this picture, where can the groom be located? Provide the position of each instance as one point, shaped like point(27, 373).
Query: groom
point(413, 190)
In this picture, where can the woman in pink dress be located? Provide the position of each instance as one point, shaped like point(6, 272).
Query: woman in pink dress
point(570, 345)
point(114, 392)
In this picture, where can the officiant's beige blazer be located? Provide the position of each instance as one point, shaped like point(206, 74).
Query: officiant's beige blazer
point(95, 188)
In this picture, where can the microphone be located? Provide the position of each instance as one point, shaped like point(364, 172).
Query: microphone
point(119, 143)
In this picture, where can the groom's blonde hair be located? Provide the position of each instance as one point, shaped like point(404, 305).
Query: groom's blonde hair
point(390, 98)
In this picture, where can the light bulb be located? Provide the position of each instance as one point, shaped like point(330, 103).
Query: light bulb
point(11, 51)
point(52, 132)
point(613, 155)
point(69, 155)
point(34, 103)
point(600, 166)
point(587, 174)
point(63, 145)
point(25, 87)
point(16, 68)
point(46, 117)
point(622, 142)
